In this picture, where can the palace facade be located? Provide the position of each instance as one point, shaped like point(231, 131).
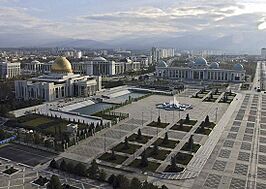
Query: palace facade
point(201, 70)
point(58, 84)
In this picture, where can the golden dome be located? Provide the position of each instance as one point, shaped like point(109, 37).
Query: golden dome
point(61, 65)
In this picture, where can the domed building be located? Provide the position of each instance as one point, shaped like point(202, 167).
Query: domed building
point(201, 62)
point(214, 65)
point(200, 70)
point(60, 83)
point(61, 65)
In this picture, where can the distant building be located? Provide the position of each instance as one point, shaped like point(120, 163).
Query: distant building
point(32, 67)
point(158, 53)
point(142, 59)
point(263, 52)
point(102, 67)
point(58, 84)
point(78, 54)
point(9, 69)
point(200, 70)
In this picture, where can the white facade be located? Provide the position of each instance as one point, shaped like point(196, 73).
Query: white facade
point(58, 84)
point(33, 67)
point(9, 69)
point(201, 71)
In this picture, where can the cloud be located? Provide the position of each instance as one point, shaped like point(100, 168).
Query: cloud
point(173, 18)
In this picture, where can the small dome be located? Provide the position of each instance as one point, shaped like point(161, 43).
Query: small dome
point(214, 65)
point(35, 62)
point(61, 65)
point(238, 67)
point(201, 61)
point(99, 59)
point(162, 63)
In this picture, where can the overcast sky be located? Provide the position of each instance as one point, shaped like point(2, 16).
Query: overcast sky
point(111, 19)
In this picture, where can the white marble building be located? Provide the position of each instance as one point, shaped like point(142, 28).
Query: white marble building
point(9, 69)
point(58, 84)
point(33, 67)
point(200, 70)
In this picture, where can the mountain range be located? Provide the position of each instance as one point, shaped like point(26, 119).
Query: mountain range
point(244, 43)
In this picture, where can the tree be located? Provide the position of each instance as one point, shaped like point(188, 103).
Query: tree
point(80, 169)
point(139, 136)
point(135, 183)
point(165, 140)
point(53, 164)
point(207, 120)
point(111, 179)
point(123, 181)
point(144, 161)
point(181, 123)
point(216, 91)
point(190, 143)
point(37, 138)
point(113, 156)
point(70, 167)
point(54, 183)
point(211, 96)
point(173, 166)
point(102, 175)
point(63, 165)
point(164, 187)
point(159, 120)
point(93, 170)
point(126, 143)
point(187, 118)
point(155, 150)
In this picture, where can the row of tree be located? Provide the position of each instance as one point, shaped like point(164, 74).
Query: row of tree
point(93, 172)
point(80, 169)
point(122, 182)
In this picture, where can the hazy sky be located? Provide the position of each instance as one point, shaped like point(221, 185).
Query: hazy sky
point(110, 19)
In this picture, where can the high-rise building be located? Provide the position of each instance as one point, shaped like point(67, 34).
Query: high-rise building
point(263, 52)
point(158, 53)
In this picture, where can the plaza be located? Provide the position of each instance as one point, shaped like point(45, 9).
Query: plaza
point(229, 152)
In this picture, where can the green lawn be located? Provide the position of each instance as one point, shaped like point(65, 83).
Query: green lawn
point(10, 171)
point(152, 166)
point(156, 124)
point(131, 150)
point(190, 122)
point(37, 121)
point(176, 170)
point(199, 96)
point(209, 125)
point(144, 139)
point(183, 128)
point(118, 158)
point(204, 131)
point(43, 124)
point(195, 147)
point(161, 155)
point(183, 158)
point(171, 143)
point(209, 100)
